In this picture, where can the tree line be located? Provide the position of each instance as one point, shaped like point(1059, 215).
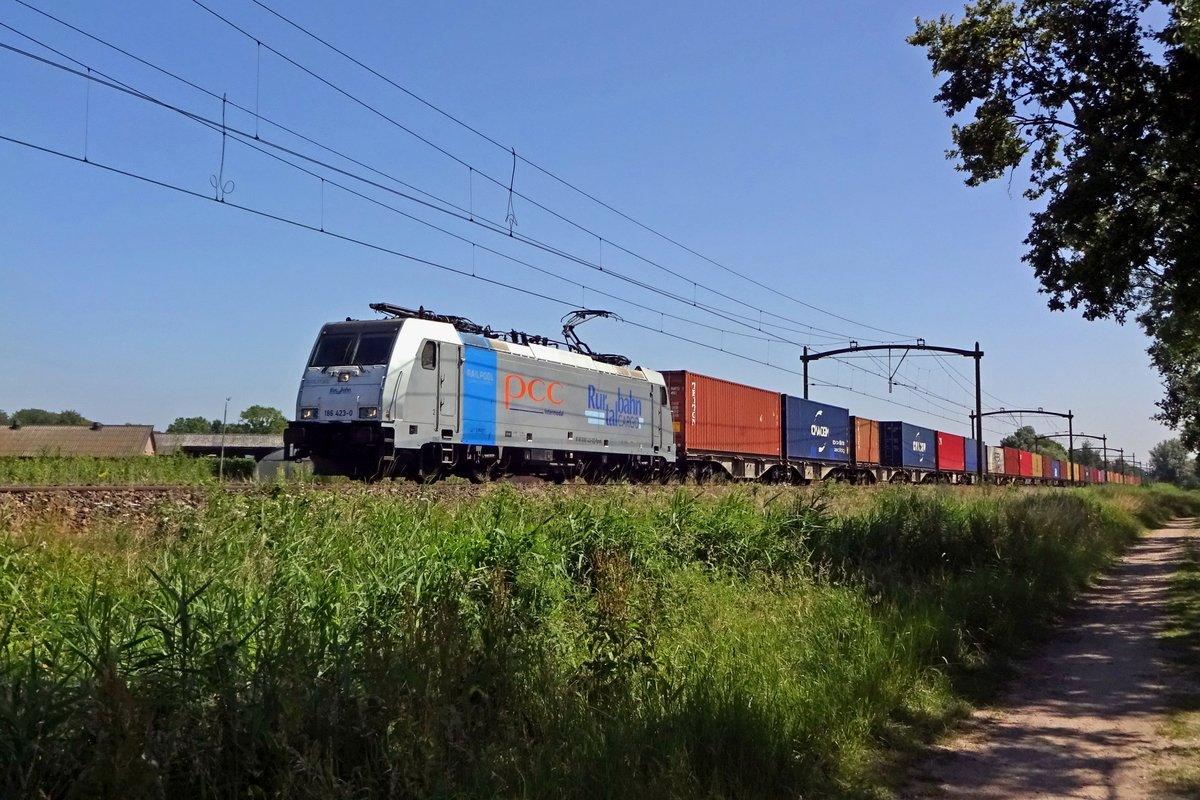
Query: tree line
point(255, 419)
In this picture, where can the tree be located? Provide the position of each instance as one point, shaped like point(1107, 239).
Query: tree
point(263, 419)
point(1104, 108)
point(1088, 456)
point(1170, 462)
point(192, 425)
point(1025, 438)
point(4, 420)
point(40, 416)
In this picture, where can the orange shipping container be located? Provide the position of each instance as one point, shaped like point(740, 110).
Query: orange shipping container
point(1039, 465)
point(866, 441)
point(718, 416)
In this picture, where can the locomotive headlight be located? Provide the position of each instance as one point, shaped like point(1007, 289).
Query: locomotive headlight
point(308, 413)
point(343, 377)
point(368, 412)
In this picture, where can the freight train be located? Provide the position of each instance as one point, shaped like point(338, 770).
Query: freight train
point(423, 395)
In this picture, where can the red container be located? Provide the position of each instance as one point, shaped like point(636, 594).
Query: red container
point(866, 441)
point(1025, 463)
point(951, 453)
point(718, 416)
point(1012, 462)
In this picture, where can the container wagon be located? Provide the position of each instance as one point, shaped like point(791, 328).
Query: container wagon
point(910, 450)
point(725, 429)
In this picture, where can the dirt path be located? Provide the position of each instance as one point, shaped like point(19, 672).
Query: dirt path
point(1084, 720)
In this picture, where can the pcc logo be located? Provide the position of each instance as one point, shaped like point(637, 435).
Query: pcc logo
point(535, 390)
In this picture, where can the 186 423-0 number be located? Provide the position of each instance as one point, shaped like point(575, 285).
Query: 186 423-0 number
point(339, 412)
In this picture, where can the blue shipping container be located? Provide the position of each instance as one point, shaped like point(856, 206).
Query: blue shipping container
point(1056, 469)
point(972, 450)
point(815, 431)
point(906, 445)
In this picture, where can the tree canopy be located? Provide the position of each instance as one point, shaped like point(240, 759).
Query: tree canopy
point(263, 419)
point(255, 419)
point(1025, 438)
point(1171, 463)
point(1100, 101)
point(40, 416)
point(194, 425)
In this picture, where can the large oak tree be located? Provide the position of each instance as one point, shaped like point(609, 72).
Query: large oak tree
point(1099, 101)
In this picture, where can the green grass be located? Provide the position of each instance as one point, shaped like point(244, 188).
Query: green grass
point(290, 642)
point(1182, 635)
point(154, 470)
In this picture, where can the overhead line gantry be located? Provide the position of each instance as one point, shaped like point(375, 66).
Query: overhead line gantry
point(854, 347)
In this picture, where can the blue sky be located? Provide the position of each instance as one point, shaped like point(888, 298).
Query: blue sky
point(794, 143)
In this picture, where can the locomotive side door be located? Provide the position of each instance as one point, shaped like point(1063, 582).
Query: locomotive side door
point(660, 414)
point(449, 388)
point(655, 433)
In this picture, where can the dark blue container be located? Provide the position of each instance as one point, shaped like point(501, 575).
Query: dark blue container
point(906, 445)
point(1056, 469)
point(972, 451)
point(815, 431)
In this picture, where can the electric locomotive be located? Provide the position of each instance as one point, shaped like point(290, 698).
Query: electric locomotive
point(424, 395)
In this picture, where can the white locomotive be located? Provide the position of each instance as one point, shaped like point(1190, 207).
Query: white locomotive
point(423, 395)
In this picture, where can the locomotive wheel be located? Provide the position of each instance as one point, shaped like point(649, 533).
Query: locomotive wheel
point(480, 471)
point(596, 474)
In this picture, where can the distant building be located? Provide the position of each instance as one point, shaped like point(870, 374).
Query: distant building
point(97, 441)
point(253, 445)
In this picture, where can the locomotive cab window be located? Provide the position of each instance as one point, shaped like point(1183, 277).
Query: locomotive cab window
point(333, 350)
point(375, 348)
point(429, 356)
point(662, 395)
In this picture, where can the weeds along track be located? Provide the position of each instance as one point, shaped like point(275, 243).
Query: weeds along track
point(77, 506)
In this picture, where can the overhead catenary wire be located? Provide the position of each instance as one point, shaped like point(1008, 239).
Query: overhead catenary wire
point(245, 138)
point(548, 173)
point(500, 183)
point(465, 214)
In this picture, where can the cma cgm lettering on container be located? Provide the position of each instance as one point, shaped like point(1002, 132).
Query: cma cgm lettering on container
point(908, 446)
point(816, 431)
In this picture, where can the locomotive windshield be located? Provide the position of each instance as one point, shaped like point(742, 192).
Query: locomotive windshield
point(346, 344)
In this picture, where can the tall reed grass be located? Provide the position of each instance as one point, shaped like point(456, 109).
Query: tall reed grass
point(295, 643)
point(153, 470)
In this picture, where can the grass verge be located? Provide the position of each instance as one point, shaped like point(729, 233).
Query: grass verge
point(1181, 777)
point(740, 643)
point(173, 470)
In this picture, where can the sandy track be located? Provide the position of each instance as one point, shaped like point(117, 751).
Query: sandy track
point(1084, 718)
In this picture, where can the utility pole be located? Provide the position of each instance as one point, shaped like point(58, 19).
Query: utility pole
point(221, 464)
